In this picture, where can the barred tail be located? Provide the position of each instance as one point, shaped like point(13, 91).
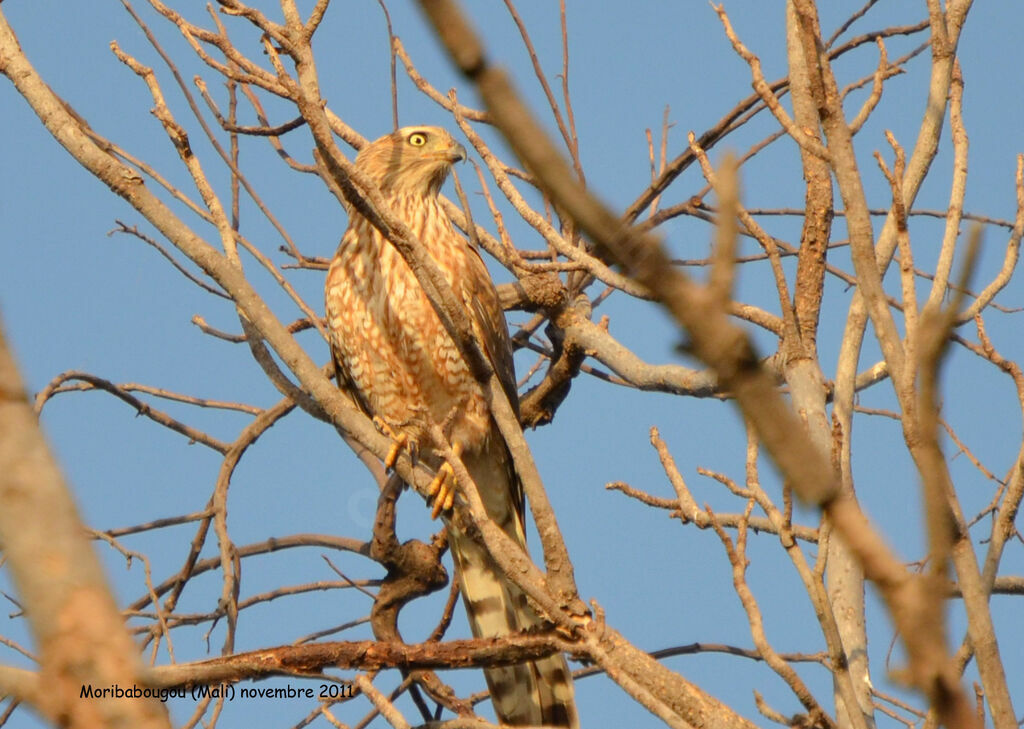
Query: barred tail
point(537, 693)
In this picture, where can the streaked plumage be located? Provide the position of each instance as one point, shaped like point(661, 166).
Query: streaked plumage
point(394, 356)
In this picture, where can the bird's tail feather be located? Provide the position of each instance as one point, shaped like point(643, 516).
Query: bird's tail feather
point(537, 693)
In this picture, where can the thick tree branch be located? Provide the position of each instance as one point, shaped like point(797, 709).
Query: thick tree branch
point(80, 636)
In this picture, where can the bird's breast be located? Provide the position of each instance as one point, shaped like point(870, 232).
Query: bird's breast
point(396, 351)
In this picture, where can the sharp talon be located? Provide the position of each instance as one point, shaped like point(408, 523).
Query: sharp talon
point(442, 488)
point(398, 442)
point(394, 451)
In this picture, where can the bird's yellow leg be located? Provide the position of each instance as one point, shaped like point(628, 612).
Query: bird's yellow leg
point(442, 488)
point(398, 442)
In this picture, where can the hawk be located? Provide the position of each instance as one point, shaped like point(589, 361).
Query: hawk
point(403, 369)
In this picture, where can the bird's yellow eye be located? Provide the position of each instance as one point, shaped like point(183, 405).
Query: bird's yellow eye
point(417, 139)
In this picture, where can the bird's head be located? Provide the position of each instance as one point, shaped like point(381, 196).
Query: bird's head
point(412, 160)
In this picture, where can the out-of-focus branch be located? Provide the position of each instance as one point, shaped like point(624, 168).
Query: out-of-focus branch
point(712, 336)
point(790, 331)
point(832, 626)
point(926, 146)
point(928, 669)
point(80, 636)
point(947, 30)
point(947, 537)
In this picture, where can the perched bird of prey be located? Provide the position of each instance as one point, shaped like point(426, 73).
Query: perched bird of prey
point(403, 369)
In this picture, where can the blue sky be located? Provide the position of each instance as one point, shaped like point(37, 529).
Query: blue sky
point(72, 297)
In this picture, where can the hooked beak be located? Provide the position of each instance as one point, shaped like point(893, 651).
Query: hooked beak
point(457, 153)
